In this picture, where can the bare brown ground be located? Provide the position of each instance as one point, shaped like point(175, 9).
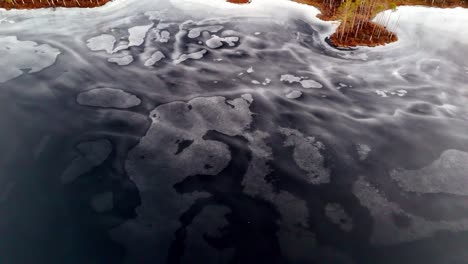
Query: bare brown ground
point(33, 4)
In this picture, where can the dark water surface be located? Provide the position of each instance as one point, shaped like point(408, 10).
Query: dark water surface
point(206, 134)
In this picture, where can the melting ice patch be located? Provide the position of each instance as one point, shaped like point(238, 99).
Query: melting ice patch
point(18, 57)
point(448, 174)
point(307, 156)
point(385, 230)
point(108, 97)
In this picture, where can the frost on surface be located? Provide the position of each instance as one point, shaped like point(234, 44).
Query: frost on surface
point(104, 42)
point(91, 154)
point(18, 57)
point(108, 97)
point(155, 57)
point(448, 174)
point(121, 61)
point(385, 229)
point(306, 154)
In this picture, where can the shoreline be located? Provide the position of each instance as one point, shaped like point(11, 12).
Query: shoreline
point(370, 32)
point(45, 4)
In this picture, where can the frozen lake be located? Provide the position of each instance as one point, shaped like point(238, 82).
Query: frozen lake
point(191, 131)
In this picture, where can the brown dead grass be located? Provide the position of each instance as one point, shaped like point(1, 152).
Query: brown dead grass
point(363, 37)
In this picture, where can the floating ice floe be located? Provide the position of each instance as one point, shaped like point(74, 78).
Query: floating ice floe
point(20, 57)
point(138, 34)
point(306, 83)
point(122, 61)
point(448, 174)
point(294, 94)
point(385, 93)
point(196, 32)
point(104, 42)
point(193, 56)
point(156, 57)
point(290, 78)
point(108, 97)
point(216, 42)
